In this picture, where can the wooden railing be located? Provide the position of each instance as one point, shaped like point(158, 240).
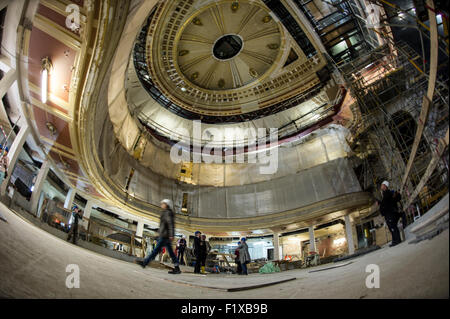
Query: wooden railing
point(131, 245)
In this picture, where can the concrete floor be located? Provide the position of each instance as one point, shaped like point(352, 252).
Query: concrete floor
point(33, 265)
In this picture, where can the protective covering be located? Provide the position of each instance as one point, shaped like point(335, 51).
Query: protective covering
point(269, 268)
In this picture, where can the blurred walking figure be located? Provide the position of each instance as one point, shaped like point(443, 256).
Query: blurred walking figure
point(389, 209)
point(166, 234)
point(244, 256)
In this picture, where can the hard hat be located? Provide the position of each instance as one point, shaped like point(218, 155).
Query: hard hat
point(168, 202)
point(386, 183)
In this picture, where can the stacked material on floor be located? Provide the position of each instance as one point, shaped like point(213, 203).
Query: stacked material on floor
point(431, 224)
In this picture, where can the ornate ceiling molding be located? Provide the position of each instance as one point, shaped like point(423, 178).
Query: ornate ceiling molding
point(180, 41)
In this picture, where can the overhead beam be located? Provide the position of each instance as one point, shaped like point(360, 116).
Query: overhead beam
point(427, 100)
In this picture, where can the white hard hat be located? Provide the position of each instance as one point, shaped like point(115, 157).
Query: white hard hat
point(385, 183)
point(168, 202)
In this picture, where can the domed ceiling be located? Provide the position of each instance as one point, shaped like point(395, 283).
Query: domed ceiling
point(136, 70)
point(226, 46)
point(223, 62)
point(160, 70)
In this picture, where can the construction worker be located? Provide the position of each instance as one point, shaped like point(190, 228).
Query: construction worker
point(181, 248)
point(166, 234)
point(73, 232)
point(244, 256)
point(206, 248)
point(197, 251)
point(388, 208)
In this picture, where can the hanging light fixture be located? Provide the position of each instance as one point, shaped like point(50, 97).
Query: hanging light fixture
point(46, 65)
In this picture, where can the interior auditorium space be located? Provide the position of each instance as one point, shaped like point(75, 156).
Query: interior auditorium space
point(224, 149)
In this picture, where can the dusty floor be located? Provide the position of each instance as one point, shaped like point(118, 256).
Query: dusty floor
point(33, 265)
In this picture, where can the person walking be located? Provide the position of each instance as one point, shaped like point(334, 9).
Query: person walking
point(181, 248)
point(237, 260)
point(166, 235)
point(244, 256)
point(198, 251)
point(389, 210)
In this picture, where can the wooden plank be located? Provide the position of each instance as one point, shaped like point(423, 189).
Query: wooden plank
point(446, 138)
point(332, 267)
point(226, 260)
point(260, 285)
point(429, 171)
point(234, 289)
point(430, 92)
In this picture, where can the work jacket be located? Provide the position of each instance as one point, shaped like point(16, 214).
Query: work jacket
point(167, 224)
point(388, 204)
point(244, 255)
point(197, 246)
point(182, 243)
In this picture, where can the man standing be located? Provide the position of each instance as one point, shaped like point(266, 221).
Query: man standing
point(73, 232)
point(244, 255)
point(197, 251)
point(206, 248)
point(389, 209)
point(166, 234)
point(181, 249)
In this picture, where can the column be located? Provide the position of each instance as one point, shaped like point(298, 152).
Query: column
point(38, 185)
point(13, 155)
point(87, 213)
point(349, 235)
point(312, 239)
point(139, 230)
point(69, 198)
point(276, 246)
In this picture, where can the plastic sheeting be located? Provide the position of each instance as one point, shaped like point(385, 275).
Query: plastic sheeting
point(324, 146)
point(269, 268)
point(315, 184)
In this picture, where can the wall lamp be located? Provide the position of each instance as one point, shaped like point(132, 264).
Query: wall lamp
point(46, 66)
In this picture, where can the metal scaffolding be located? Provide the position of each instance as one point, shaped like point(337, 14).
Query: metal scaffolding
point(389, 87)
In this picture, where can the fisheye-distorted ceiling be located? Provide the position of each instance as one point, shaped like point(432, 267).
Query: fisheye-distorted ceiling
point(217, 60)
point(50, 37)
point(71, 120)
